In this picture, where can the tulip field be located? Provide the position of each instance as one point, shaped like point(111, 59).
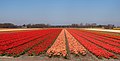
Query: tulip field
point(61, 42)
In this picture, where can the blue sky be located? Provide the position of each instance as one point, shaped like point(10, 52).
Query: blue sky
point(60, 11)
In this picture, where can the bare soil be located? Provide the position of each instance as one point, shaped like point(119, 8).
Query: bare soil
point(42, 57)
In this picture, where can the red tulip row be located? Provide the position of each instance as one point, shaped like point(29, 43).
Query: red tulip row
point(23, 45)
point(74, 46)
point(19, 36)
point(101, 38)
point(113, 37)
point(92, 47)
point(14, 35)
point(25, 40)
point(41, 47)
point(101, 35)
point(59, 46)
point(99, 43)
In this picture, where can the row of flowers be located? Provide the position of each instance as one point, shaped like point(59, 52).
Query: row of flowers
point(103, 39)
point(92, 47)
point(22, 40)
point(16, 35)
point(23, 45)
point(100, 43)
point(59, 46)
point(43, 46)
point(108, 36)
point(74, 46)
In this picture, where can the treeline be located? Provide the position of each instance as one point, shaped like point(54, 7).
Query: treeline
point(93, 25)
point(81, 25)
point(8, 25)
point(37, 25)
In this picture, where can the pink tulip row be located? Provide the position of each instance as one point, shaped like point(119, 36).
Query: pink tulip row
point(74, 46)
point(59, 46)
